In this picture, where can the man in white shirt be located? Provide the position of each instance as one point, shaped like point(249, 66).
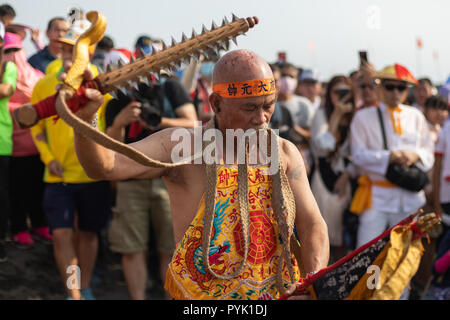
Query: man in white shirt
point(408, 142)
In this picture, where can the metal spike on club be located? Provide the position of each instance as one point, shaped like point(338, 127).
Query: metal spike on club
point(226, 44)
point(174, 42)
point(113, 94)
point(121, 89)
point(156, 75)
point(133, 84)
point(225, 21)
point(204, 30)
point(154, 50)
point(194, 34)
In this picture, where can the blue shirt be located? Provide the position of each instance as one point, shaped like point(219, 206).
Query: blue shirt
point(41, 59)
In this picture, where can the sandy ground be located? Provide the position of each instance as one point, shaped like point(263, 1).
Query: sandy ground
point(31, 274)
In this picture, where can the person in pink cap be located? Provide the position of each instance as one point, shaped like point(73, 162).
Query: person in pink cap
point(26, 168)
point(8, 75)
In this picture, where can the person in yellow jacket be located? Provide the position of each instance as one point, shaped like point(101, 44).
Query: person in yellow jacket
point(68, 188)
point(54, 67)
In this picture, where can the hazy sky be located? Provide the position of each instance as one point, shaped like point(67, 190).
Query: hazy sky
point(323, 34)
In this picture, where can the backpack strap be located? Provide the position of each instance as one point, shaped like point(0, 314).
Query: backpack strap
point(383, 132)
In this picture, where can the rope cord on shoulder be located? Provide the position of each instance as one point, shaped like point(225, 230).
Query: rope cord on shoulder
point(282, 202)
point(211, 185)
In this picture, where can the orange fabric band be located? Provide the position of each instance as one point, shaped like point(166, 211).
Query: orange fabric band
point(245, 89)
point(395, 122)
point(362, 199)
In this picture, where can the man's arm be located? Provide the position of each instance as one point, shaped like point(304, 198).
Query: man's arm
point(104, 164)
point(311, 228)
point(9, 81)
point(189, 80)
point(6, 90)
point(38, 131)
point(186, 117)
point(181, 105)
point(304, 132)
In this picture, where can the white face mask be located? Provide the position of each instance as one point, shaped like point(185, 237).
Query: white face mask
point(288, 85)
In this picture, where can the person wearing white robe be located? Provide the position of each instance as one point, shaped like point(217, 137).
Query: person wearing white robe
point(412, 145)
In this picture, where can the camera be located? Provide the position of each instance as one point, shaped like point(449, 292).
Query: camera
point(344, 92)
point(151, 113)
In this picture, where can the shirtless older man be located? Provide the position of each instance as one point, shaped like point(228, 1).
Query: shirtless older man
point(188, 276)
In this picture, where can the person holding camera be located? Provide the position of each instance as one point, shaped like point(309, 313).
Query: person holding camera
point(330, 148)
point(391, 146)
point(140, 204)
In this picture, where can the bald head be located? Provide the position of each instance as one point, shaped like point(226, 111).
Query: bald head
point(245, 112)
point(241, 65)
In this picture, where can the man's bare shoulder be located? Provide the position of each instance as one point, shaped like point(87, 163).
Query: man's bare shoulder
point(171, 145)
point(292, 159)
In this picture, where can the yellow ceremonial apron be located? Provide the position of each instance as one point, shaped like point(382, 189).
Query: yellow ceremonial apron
point(187, 277)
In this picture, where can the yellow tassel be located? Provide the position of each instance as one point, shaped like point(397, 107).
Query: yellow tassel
point(401, 264)
point(171, 286)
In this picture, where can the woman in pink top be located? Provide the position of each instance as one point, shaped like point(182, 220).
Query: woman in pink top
point(26, 167)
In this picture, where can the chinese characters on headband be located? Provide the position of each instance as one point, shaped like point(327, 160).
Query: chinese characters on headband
point(243, 89)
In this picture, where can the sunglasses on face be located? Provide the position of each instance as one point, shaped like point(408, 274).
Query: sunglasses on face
point(391, 87)
point(341, 91)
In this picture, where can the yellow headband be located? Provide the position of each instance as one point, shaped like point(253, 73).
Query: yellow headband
point(245, 89)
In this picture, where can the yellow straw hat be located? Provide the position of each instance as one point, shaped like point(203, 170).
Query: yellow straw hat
point(396, 72)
